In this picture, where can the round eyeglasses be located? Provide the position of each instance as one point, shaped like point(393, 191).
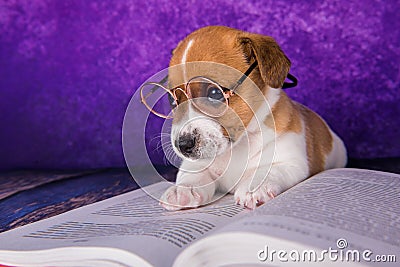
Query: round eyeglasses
point(206, 95)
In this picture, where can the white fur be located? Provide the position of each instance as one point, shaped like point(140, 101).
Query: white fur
point(184, 57)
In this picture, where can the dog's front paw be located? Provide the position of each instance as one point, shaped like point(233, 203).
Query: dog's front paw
point(181, 197)
point(251, 199)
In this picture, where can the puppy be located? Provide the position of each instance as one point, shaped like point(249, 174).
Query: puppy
point(264, 144)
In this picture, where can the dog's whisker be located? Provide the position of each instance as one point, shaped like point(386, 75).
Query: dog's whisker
point(162, 141)
point(166, 146)
point(158, 144)
point(158, 136)
point(169, 153)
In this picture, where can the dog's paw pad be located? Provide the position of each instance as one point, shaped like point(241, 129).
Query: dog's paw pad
point(251, 200)
point(255, 199)
point(180, 197)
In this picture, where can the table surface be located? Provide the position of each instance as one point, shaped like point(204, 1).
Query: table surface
point(28, 196)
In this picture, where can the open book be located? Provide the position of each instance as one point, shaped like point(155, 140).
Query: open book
point(338, 216)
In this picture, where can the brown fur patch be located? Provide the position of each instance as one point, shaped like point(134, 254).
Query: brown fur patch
point(273, 63)
point(319, 140)
point(285, 116)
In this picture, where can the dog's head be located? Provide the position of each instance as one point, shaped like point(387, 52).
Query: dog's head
point(197, 135)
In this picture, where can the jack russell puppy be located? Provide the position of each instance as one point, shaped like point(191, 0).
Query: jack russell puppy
point(253, 143)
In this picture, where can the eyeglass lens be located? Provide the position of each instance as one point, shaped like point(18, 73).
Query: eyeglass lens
point(207, 96)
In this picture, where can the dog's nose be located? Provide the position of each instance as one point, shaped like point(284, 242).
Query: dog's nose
point(186, 143)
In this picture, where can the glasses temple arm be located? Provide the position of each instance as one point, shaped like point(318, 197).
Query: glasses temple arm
point(285, 85)
point(163, 80)
point(244, 76)
point(155, 87)
point(292, 84)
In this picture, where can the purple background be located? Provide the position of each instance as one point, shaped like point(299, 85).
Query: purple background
point(69, 68)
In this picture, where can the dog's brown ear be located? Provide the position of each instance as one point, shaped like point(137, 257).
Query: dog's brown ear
point(272, 62)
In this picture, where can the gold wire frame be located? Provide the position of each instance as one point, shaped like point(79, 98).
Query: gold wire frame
point(144, 97)
point(187, 94)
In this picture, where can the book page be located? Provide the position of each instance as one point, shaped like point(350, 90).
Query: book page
point(133, 221)
point(342, 209)
point(362, 202)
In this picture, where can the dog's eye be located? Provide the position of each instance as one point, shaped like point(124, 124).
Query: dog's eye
point(214, 94)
